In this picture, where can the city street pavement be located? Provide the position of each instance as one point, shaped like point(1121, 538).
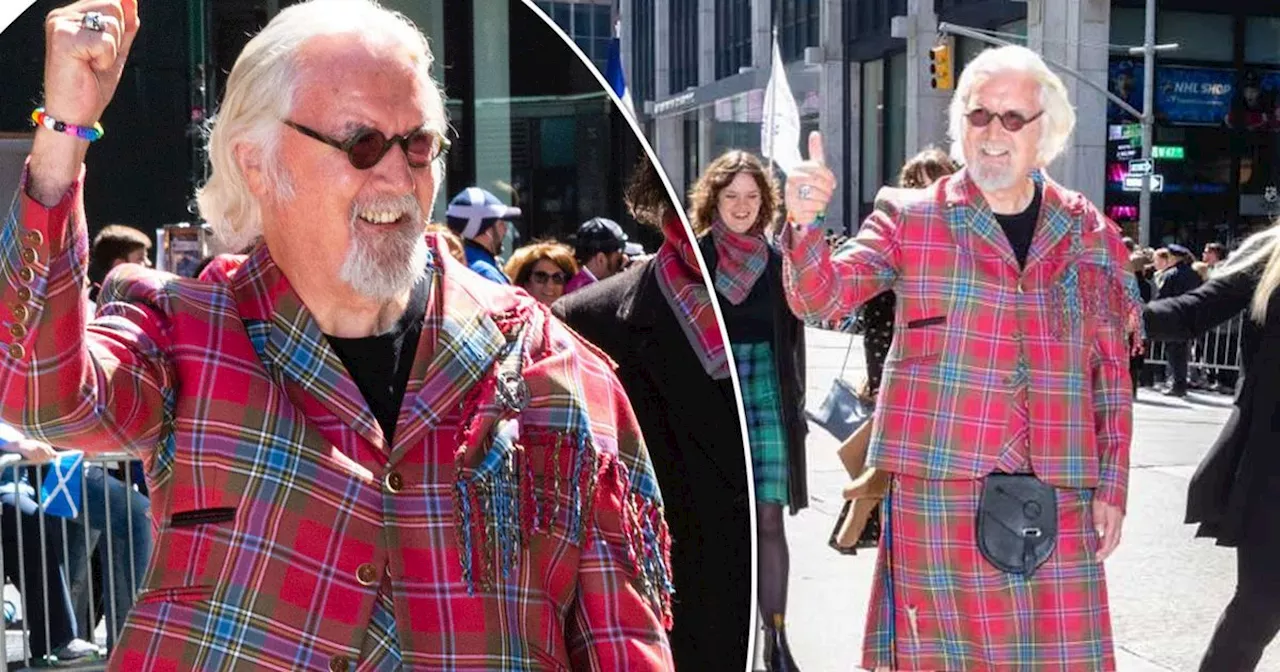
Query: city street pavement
point(1167, 588)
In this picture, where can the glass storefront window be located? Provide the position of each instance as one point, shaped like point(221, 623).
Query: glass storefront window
point(1201, 36)
point(1262, 40)
point(873, 109)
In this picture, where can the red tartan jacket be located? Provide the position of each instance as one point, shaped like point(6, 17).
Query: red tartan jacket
point(987, 357)
point(491, 535)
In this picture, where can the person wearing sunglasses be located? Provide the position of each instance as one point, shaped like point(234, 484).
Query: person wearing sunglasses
point(1005, 409)
point(360, 454)
point(542, 269)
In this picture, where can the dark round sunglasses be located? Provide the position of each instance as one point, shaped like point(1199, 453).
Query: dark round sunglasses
point(366, 148)
point(542, 277)
point(1012, 121)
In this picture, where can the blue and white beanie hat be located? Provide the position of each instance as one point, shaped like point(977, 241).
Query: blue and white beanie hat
point(474, 210)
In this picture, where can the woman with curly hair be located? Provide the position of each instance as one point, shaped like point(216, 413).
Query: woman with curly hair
point(542, 268)
point(733, 210)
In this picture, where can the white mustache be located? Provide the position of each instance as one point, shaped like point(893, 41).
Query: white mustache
point(405, 203)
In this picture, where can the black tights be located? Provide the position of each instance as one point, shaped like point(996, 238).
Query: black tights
point(1252, 618)
point(774, 560)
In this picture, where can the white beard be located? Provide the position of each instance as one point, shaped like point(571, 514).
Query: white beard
point(385, 265)
point(992, 178)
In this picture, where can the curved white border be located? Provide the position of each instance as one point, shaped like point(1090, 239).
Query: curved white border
point(11, 10)
point(715, 303)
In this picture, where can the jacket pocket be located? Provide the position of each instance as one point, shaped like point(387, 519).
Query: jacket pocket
point(179, 595)
point(927, 322)
point(202, 517)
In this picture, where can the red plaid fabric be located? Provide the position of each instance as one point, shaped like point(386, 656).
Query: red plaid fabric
point(742, 260)
point(977, 337)
point(681, 280)
point(937, 604)
point(290, 536)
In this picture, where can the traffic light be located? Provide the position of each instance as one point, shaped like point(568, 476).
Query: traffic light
point(940, 67)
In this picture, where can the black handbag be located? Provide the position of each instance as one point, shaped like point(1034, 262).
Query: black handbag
point(843, 410)
point(1017, 522)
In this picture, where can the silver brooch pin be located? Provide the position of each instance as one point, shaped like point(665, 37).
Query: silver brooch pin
point(513, 391)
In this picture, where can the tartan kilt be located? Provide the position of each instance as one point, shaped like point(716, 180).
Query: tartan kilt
point(762, 403)
point(937, 604)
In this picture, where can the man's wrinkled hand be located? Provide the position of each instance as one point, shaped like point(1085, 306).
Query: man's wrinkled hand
point(810, 185)
point(83, 66)
point(1107, 521)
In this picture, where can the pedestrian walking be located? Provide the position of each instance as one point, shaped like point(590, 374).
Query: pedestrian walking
point(1234, 495)
point(1005, 409)
point(733, 209)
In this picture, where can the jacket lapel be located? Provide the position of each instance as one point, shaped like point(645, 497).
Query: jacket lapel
point(460, 343)
point(1057, 219)
point(971, 220)
point(291, 345)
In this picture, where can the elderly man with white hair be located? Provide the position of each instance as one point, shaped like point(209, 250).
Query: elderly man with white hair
point(361, 456)
point(1004, 415)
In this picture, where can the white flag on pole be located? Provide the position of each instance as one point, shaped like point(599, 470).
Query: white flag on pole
point(780, 129)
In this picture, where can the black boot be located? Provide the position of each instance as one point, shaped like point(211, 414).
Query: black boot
point(777, 655)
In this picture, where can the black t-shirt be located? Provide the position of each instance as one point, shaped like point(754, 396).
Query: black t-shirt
point(380, 364)
point(1021, 228)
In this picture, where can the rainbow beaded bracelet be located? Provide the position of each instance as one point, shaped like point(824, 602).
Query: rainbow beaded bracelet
point(90, 133)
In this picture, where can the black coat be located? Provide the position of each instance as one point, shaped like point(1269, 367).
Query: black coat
point(1236, 489)
point(1178, 280)
point(691, 428)
point(788, 342)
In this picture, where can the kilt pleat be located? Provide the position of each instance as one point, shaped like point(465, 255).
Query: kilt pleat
point(762, 404)
point(937, 604)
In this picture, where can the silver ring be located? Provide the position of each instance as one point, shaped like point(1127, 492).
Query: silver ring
point(805, 191)
point(92, 21)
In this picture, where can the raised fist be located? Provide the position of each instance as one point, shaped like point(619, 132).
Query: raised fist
point(86, 45)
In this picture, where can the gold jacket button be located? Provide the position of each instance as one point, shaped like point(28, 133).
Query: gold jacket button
point(16, 351)
point(29, 255)
point(339, 664)
point(394, 482)
point(24, 294)
point(21, 313)
point(26, 275)
point(33, 237)
point(18, 331)
point(367, 574)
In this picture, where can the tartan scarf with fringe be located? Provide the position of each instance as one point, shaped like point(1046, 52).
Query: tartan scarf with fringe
point(682, 285)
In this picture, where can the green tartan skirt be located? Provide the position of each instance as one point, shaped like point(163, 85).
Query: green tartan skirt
point(762, 403)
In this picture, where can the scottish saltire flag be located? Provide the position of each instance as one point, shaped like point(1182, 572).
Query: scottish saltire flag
point(60, 491)
point(780, 128)
point(615, 76)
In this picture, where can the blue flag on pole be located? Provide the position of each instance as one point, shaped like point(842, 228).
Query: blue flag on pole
point(614, 74)
point(61, 490)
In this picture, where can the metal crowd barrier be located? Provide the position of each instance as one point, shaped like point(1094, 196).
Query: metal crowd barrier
point(1216, 351)
point(54, 559)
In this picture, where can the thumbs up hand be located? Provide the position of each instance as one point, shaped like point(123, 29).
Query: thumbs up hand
point(810, 185)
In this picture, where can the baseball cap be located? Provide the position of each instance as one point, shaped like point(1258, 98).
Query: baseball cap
point(1179, 250)
point(633, 250)
point(600, 234)
point(475, 209)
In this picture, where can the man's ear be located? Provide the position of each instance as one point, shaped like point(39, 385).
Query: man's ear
point(249, 159)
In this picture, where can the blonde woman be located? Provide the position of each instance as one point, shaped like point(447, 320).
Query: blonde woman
point(1234, 494)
